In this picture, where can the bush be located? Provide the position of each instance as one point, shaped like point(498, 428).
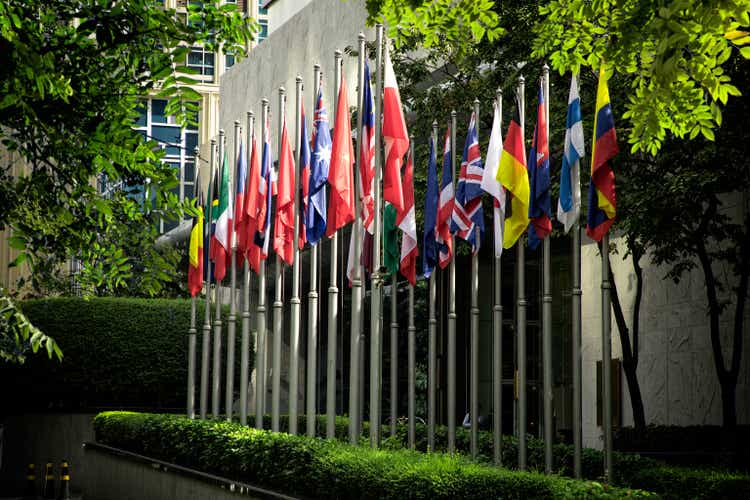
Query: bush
point(118, 353)
point(318, 468)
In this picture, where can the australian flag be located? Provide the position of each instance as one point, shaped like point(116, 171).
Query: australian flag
point(316, 204)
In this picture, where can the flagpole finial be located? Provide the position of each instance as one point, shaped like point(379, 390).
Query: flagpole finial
point(338, 54)
point(264, 101)
point(298, 79)
point(282, 90)
point(453, 113)
point(250, 114)
point(545, 68)
point(236, 123)
point(213, 142)
point(221, 132)
point(434, 123)
point(361, 36)
point(316, 67)
point(521, 80)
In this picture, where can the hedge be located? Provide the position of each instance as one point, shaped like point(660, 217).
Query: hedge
point(317, 468)
point(118, 353)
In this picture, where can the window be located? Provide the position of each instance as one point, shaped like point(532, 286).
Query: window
point(263, 32)
point(228, 60)
point(203, 61)
point(262, 11)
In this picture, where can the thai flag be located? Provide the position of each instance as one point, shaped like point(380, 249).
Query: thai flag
point(445, 206)
point(262, 236)
point(467, 209)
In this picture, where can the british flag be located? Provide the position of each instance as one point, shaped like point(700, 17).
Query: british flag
point(467, 209)
point(445, 207)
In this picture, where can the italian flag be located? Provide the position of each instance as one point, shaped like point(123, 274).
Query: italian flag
point(221, 244)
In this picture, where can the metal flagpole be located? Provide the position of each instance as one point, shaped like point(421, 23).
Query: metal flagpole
point(474, 400)
point(497, 341)
point(376, 326)
point(232, 326)
point(245, 349)
point(295, 301)
point(576, 327)
point(432, 342)
point(547, 316)
point(394, 353)
point(412, 349)
point(278, 304)
point(333, 291)
point(216, 388)
point(192, 332)
point(206, 347)
point(452, 312)
point(312, 307)
point(521, 316)
point(606, 362)
point(260, 315)
point(354, 346)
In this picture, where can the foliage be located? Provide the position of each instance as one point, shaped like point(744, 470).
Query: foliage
point(18, 335)
point(317, 468)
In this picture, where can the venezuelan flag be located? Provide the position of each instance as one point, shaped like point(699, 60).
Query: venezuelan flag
point(513, 176)
point(602, 201)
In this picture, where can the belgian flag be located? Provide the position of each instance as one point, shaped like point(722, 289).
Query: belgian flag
point(195, 267)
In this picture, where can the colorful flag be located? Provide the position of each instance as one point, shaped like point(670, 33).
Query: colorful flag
point(341, 204)
point(539, 203)
point(316, 201)
point(367, 172)
point(265, 195)
point(467, 214)
point(390, 239)
point(195, 267)
point(395, 137)
point(283, 230)
point(491, 185)
point(445, 206)
point(429, 242)
point(221, 245)
point(602, 201)
point(213, 203)
point(240, 227)
point(569, 204)
point(252, 207)
point(407, 222)
point(304, 172)
point(514, 178)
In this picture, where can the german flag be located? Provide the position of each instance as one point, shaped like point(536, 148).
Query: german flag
point(514, 177)
point(195, 267)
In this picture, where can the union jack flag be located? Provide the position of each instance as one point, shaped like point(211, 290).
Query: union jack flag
point(467, 209)
point(445, 207)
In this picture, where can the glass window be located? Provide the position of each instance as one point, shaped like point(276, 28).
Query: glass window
point(166, 134)
point(201, 60)
point(262, 11)
point(191, 140)
point(189, 172)
point(157, 110)
point(142, 110)
point(229, 60)
point(263, 33)
point(189, 191)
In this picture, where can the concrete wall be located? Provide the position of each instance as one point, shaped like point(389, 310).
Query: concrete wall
point(280, 11)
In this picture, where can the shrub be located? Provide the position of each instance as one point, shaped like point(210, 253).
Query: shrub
point(318, 468)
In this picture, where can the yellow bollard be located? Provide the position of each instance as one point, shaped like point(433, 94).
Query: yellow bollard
point(64, 482)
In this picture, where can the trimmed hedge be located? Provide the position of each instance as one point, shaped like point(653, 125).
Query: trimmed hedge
point(318, 468)
point(118, 353)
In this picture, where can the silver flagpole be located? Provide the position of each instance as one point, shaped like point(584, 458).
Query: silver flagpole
point(412, 349)
point(206, 347)
point(216, 388)
point(497, 341)
point(260, 315)
point(232, 327)
point(354, 346)
point(192, 332)
point(295, 301)
point(312, 307)
point(432, 341)
point(547, 316)
point(474, 379)
point(333, 290)
point(521, 316)
point(576, 327)
point(278, 304)
point(247, 277)
point(394, 353)
point(376, 325)
point(606, 362)
point(452, 312)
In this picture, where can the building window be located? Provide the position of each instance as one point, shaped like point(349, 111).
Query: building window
point(228, 60)
point(263, 31)
point(201, 60)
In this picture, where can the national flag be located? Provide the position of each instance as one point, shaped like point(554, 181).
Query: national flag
point(212, 205)
point(467, 214)
point(367, 172)
point(240, 227)
point(316, 201)
point(221, 245)
point(341, 204)
point(445, 206)
point(491, 185)
point(602, 200)
point(407, 222)
point(429, 242)
point(395, 136)
point(514, 177)
point(283, 230)
point(390, 239)
point(304, 172)
point(195, 253)
point(538, 167)
point(252, 207)
point(265, 194)
point(569, 204)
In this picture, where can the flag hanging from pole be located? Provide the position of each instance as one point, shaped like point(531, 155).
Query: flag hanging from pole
point(407, 222)
point(222, 240)
point(467, 214)
point(341, 203)
point(265, 194)
point(491, 185)
point(569, 204)
point(283, 231)
point(316, 202)
point(445, 206)
point(367, 172)
point(602, 201)
point(514, 178)
point(539, 202)
point(304, 172)
point(240, 227)
point(195, 267)
point(252, 207)
point(213, 202)
point(429, 242)
point(395, 136)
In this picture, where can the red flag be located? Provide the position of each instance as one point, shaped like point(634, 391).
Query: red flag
point(341, 204)
point(395, 136)
point(251, 208)
point(283, 231)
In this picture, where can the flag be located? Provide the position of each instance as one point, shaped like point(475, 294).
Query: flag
point(213, 203)
point(429, 242)
point(195, 267)
point(390, 239)
point(602, 201)
point(395, 137)
point(240, 227)
point(569, 204)
point(367, 172)
point(265, 194)
point(252, 207)
point(491, 185)
point(514, 178)
point(467, 214)
point(316, 201)
point(445, 206)
point(538, 167)
point(283, 230)
point(407, 222)
point(222, 240)
point(341, 204)
point(304, 172)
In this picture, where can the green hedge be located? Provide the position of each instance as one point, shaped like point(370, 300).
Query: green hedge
point(317, 468)
point(118, 353)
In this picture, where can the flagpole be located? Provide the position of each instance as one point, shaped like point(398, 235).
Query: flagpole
point(521, 315)
point(206, 347)
point(432, 342)
point(576, 327)
point(192, 332)
point(394, 353)
point(452, 313)
point(606, 362)
point(474, 331)
point(278, 305)
point(412, 353)
point(547, 314)
point(354, 346)
point(497, 342)
point(245, 349)
point(232, 327)
point(376, 326)
point(295, 301)
point(260, 315)
point(312, 307)
point(216, 388)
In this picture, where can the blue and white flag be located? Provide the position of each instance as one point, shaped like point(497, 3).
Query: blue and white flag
point(316, 205)
point(569, 205)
